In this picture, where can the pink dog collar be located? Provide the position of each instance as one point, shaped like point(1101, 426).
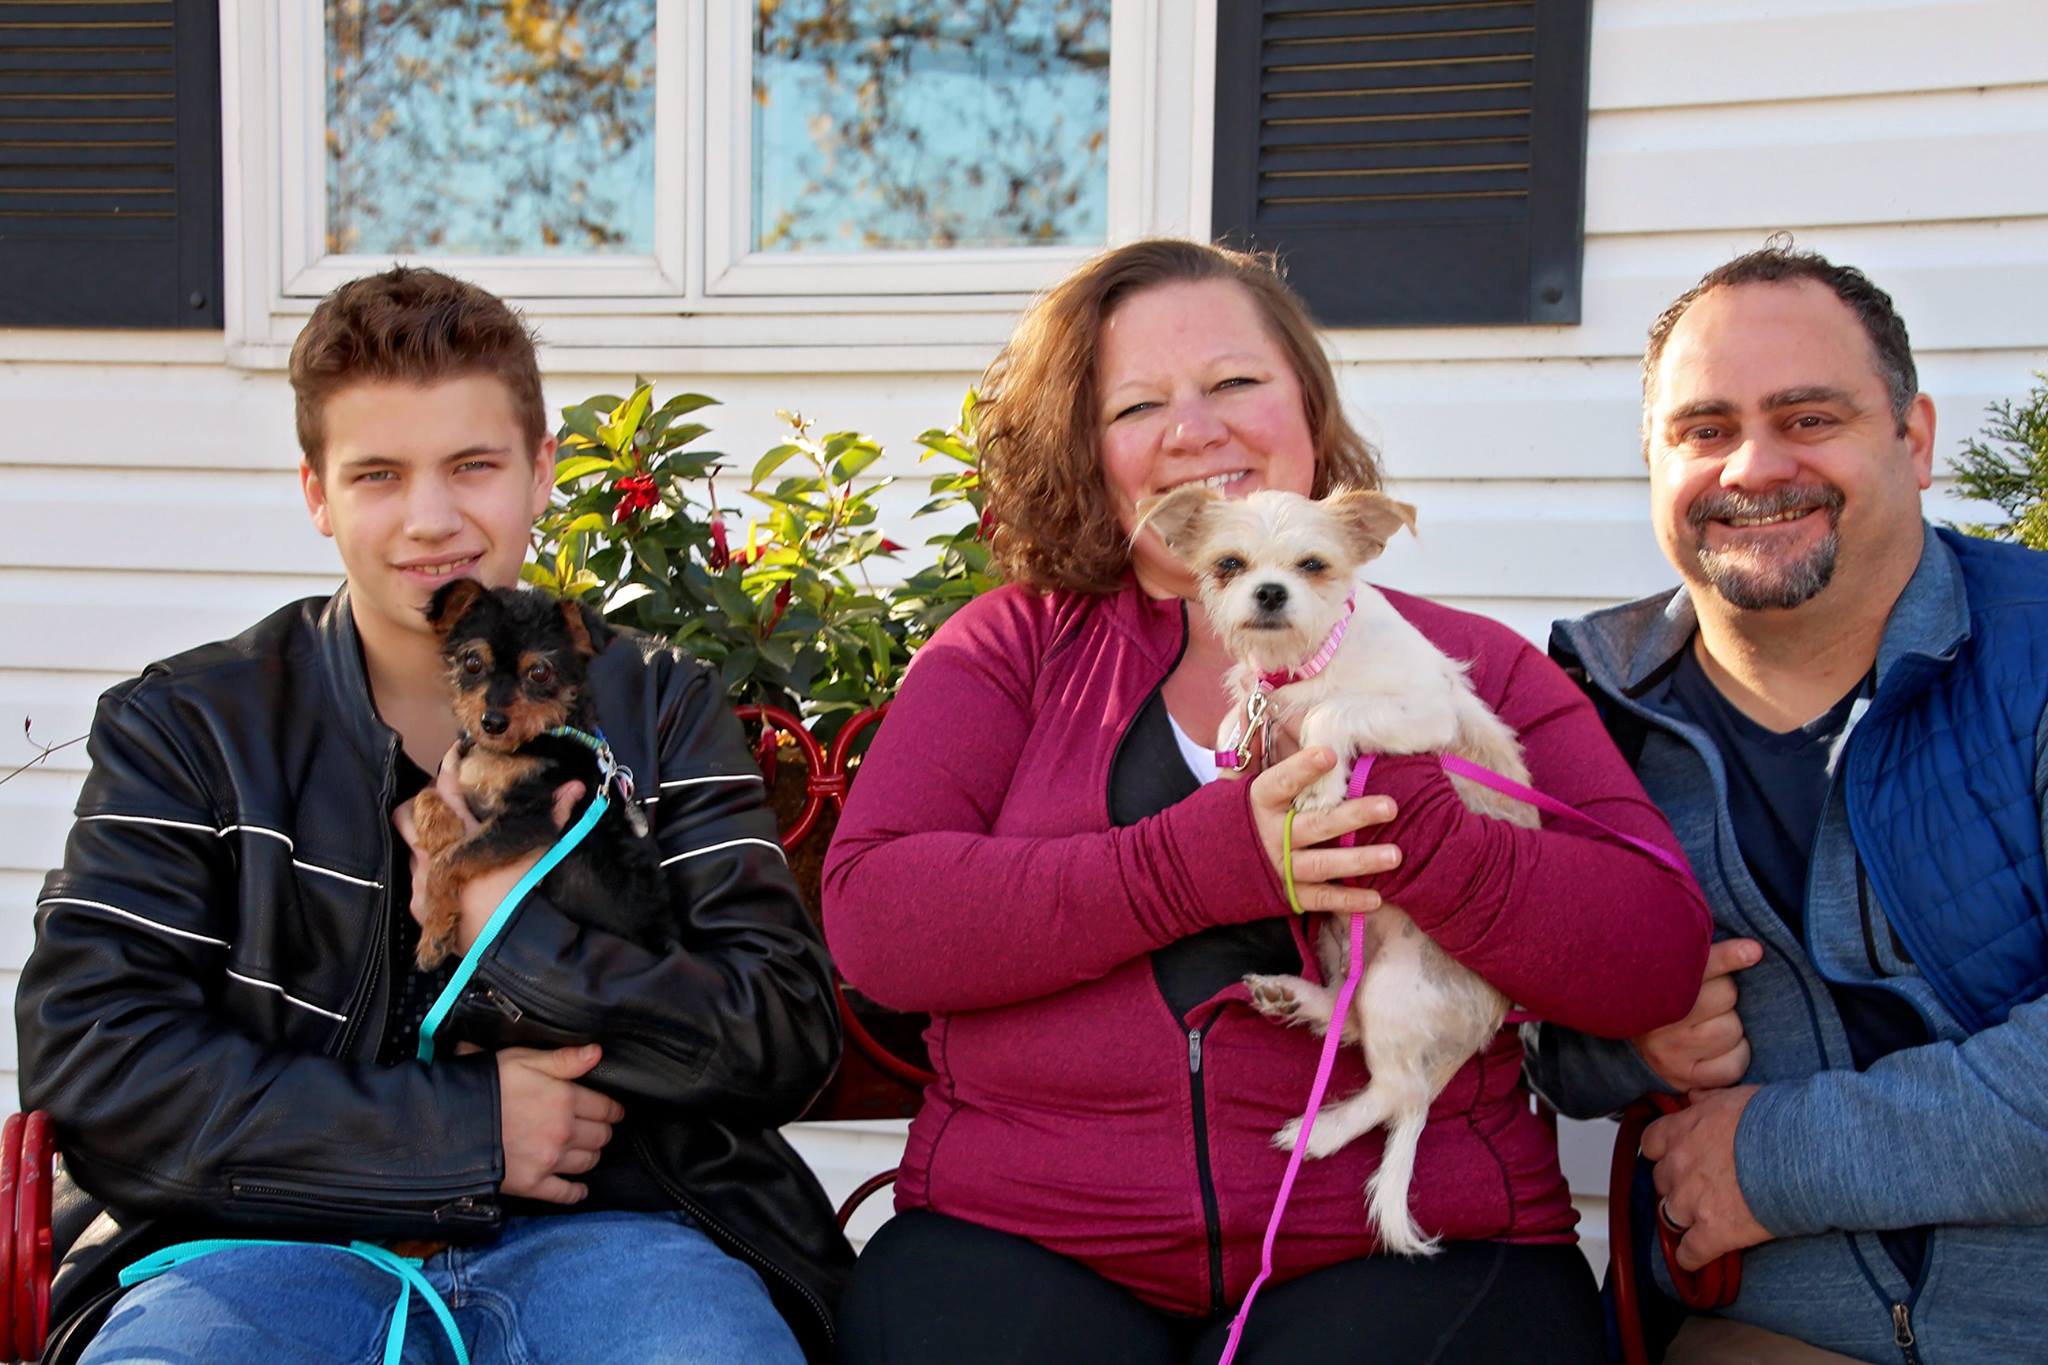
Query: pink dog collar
point(1320, 660)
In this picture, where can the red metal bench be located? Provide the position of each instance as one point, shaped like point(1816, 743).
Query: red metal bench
point(874, 1081)
point(1710, 1287)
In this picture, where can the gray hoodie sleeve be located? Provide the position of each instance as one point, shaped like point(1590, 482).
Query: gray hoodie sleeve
point(1583, 1077)
point(1946, 1133)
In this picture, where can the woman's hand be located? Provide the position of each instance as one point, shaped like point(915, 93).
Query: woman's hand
point(1321, 867)
point(1706, 1049)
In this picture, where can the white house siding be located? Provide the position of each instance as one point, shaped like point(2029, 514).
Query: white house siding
point(149, 501)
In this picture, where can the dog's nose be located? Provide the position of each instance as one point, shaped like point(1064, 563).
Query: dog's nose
point(495, 723)
point(1270, 596)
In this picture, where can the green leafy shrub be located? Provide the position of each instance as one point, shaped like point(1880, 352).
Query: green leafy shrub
point(783, 597)
point(2006, 464)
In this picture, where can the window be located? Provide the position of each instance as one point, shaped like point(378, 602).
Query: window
point(702, 177)
point(1414, 164)
point(110, 164)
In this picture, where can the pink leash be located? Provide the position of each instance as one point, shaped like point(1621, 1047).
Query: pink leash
point(1360, 771)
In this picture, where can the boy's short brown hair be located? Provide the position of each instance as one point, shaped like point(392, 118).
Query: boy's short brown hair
point(411, 325)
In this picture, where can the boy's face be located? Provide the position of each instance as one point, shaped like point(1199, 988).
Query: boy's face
point(424, 483)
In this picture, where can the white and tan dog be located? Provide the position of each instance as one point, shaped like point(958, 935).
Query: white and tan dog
point(1278, 575)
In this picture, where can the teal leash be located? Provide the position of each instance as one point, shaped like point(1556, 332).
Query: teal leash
point(404, 1268)
point(613, 776)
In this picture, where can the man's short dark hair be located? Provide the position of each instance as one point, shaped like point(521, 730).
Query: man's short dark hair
point(410, 325)
point(1778, 262)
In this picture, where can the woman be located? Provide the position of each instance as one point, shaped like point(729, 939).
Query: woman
point(1035, 855)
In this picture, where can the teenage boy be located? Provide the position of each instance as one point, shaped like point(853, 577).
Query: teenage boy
point(221, 1010)
point(1845, 714)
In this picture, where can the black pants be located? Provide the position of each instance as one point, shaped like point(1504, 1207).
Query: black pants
point(934, 1289)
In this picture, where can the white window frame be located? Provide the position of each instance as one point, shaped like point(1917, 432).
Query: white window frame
point(701, 299)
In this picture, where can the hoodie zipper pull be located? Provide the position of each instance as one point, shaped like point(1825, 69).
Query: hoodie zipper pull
point(1902, 1332)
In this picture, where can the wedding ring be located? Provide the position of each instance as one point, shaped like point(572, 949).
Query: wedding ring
point(1664, 1217)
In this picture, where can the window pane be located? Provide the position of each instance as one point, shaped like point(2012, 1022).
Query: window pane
point(493, 127)
point(930, 123)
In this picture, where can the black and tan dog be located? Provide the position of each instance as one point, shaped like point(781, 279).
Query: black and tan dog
point(518, 665)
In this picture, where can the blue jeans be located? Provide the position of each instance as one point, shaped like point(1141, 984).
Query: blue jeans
point(622, 1287)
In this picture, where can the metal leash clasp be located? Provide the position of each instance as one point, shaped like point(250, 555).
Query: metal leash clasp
point(1256, 722)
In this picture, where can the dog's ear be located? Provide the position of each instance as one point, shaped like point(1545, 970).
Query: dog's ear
point(1370, 518)
point(588, 631)
point(451, 602)
point(1178, 517)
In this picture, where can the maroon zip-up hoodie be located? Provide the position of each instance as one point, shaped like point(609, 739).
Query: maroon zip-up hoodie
point(976, 875)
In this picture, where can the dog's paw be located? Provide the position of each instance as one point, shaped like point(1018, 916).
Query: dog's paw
point(1325, 792)
point(1331, 1134)
point(1289, 1000)
point(1274, 997)
point(1288, 1136)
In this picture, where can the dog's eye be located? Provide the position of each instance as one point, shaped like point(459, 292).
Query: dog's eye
point(1229, 566)
point(472, 665)
point(540, 673)
point(1311, 565)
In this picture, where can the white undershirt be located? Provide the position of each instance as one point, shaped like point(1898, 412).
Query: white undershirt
point(1200, 758)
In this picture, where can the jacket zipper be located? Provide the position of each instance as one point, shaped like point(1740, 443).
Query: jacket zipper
point(1901, 1311)
point(1902, 1332)
point(462, 1210)
point(380, 944)
point(726, 1238)
point(1211, 1219)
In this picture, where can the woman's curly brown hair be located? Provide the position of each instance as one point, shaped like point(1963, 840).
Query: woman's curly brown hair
point(1041, 462)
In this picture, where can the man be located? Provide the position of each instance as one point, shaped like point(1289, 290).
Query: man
point(221, 1010)
point(1842, 712)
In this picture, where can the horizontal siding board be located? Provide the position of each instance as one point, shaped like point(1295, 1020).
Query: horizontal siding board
point(117, 622)
point(1891, 160)
point(1652, 54)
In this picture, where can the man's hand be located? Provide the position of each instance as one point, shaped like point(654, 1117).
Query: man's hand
point(550, 1126)
point(1694, 1152)
point(1706, 1050)
point(481, 894)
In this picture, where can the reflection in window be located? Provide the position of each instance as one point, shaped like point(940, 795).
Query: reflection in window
point(492, 127)
point(930, 123)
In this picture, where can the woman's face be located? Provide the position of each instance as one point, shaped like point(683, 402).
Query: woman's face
point(1192, 388)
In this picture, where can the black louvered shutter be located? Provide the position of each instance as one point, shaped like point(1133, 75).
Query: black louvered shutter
point(110, 163)
point(1413, 163)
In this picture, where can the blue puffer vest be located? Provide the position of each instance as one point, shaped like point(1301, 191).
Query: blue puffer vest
point(1940, 787)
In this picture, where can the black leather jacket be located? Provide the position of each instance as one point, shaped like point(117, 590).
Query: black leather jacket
point(202, 1010)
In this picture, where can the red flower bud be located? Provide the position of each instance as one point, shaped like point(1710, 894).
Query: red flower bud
point(636, 494)
point(782, 596)
point(889, 547)
point(720, 553)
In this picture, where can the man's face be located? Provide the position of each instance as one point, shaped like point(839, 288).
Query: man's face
point(1777, 468)
point(424, 483)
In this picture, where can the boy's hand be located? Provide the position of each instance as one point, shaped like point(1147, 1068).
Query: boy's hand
point(481, 894)
point(551, 1127)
